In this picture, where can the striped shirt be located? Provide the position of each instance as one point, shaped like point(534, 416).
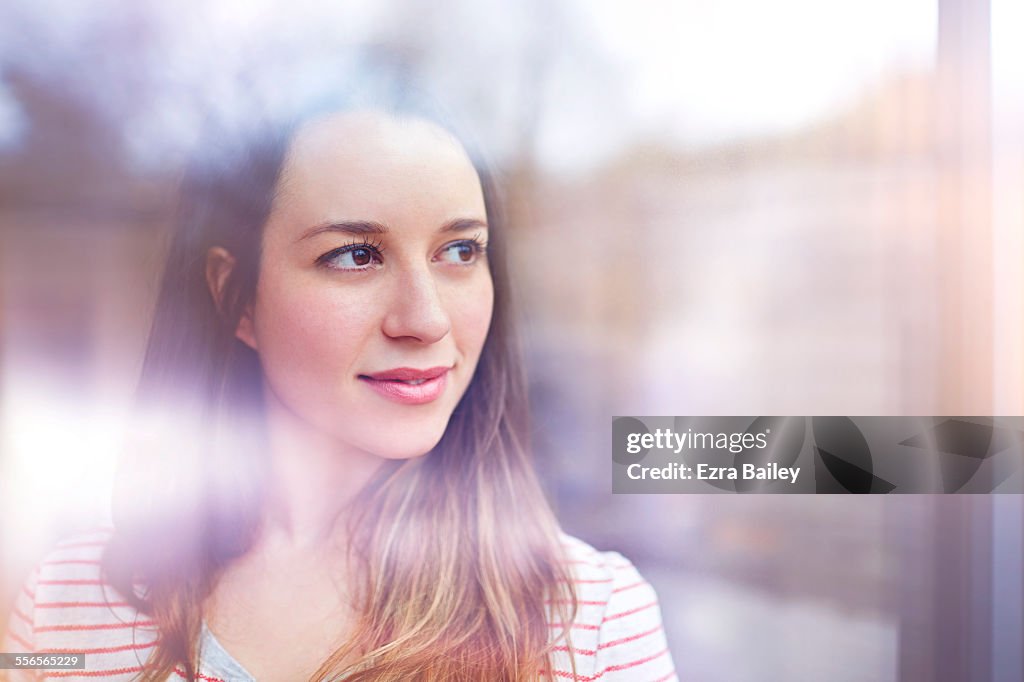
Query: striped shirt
point(64, 607)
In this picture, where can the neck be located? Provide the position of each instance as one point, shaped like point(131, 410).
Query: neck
point(313, 480)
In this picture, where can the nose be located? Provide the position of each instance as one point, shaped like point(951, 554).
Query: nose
point(417, 310)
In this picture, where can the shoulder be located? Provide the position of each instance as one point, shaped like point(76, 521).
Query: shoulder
point(605, 573)
point(65, 605)
point(71, 573)
point(618, 625)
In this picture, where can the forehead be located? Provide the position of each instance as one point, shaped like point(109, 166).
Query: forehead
point(374, 166)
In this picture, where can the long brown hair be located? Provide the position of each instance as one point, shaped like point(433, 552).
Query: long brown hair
point(458, 560)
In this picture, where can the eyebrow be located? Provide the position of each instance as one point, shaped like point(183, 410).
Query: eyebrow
point(364, 227)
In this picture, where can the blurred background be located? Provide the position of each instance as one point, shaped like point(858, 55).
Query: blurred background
point(734, 207)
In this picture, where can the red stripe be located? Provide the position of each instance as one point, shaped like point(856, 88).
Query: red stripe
point(609, 669)
point(633, 664)
point(581, 626)
point(105, 626)
point(17, 612)
point(665, 678)
point(76, 604)
point(631, 638)
point(102, 650)
point(95, 673)
point(594, 581)
point(69, 581)
point(628, 587)
point(603, 565)
point(628, 613)
point(608, 645)
point(17, 638)
point(30, 594)
point(581, 602)
point(578, 678)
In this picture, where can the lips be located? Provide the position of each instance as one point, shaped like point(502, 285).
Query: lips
point(408, 385)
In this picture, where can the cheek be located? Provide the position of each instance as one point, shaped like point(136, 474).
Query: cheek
point(471, 315)
point(306, 333)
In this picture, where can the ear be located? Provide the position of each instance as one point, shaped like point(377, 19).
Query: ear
point(219, 264)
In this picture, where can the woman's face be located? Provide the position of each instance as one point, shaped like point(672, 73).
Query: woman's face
point(374, 295)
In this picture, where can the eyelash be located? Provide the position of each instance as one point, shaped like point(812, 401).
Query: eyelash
point(375, 249)
point(478, 245)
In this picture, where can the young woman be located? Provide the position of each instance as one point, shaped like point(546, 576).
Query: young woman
point(331, 477)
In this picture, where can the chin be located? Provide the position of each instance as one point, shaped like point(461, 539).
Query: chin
point(403, 443)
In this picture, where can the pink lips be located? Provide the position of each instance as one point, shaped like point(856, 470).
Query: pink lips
point(407, 385)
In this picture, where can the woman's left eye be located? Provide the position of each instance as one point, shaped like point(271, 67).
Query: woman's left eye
point(463, 252)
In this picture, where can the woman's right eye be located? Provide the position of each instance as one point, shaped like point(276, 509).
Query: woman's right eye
point(352, 257)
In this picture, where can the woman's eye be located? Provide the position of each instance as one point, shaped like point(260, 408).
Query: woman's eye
point(461, 253)
point(352, 258)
